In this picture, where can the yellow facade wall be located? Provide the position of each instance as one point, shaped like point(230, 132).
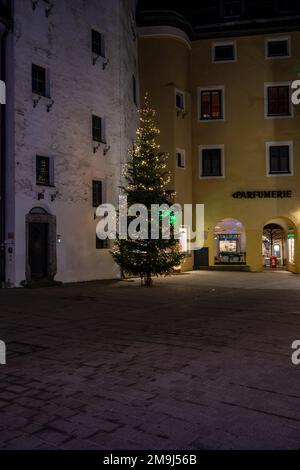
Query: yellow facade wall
point(167, 63)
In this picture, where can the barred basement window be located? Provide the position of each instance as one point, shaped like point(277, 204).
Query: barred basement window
point(38, 80)
point(97, 193)
point(44, 171)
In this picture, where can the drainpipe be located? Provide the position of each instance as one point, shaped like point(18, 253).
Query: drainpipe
point(5, 25)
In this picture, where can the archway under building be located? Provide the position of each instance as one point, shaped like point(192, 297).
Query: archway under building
point(278, 244)
point(229, 242)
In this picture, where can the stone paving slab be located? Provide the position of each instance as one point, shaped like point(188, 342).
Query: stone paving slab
point(199, 361)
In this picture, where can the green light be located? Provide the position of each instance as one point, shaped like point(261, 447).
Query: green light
point(170, 214)
point(291, 235)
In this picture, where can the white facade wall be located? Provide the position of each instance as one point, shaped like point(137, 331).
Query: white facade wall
point(62, 44)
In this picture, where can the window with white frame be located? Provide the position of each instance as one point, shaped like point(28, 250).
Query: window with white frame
point(211, 161)
point(224, 52)
point(179, 100)
point(279, 158)
point(278, 100)
point(180, 158)
point(211, 103)
point(277, 48)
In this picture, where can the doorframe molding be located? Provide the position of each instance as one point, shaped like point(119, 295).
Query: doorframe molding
point(50, 220)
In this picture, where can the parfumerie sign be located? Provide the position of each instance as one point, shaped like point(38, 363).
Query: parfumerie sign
point(262, 194)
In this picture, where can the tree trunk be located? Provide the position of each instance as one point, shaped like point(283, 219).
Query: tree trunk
point(148, 280)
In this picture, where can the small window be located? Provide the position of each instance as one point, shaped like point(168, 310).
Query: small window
point(180, 158)
point(44, 171)
point(38, 80)
point(279, 156)
point(211, 162)
point(232, 8)
point(278, 48)
point(278, 100)
point(211, 104)
point(98, 129)
point(134, 90)
point(97, 193)
point(224, 52)
point(179, 100)
point(101, 244)
point(97, 43)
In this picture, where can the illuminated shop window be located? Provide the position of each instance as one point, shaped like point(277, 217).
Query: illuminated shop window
point(291, 248)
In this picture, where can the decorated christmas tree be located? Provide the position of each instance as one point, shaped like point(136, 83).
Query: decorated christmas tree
point(146, 181)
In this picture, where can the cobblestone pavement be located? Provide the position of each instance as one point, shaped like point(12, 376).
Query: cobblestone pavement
point(182, 365)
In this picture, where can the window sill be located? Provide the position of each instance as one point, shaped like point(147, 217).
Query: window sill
point(278, 116)
point(204, 177)
point(211, 120)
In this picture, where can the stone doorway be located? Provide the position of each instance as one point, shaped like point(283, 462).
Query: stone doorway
point(40, 245)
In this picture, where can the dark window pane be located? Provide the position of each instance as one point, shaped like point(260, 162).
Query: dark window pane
point(43, 171)
point(278, 48)
point(97, 43)
point(211, 162)
point(97, 129)
point(97, 193)
point(225, 52)
point(179, 101)
point(101, 244)
point(134, 89)
point(278, 101)
point(279, 159)
point(38, 80)
point(180, 160)
point(211, 104)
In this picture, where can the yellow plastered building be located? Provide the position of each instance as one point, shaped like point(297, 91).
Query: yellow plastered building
point(227, 121)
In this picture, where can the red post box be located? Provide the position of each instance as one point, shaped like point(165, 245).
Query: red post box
point(273, 261)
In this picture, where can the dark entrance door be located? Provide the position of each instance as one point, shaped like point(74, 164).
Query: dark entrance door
point(38, 244)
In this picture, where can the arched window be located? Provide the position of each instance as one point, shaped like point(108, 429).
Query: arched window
point(38, 210)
